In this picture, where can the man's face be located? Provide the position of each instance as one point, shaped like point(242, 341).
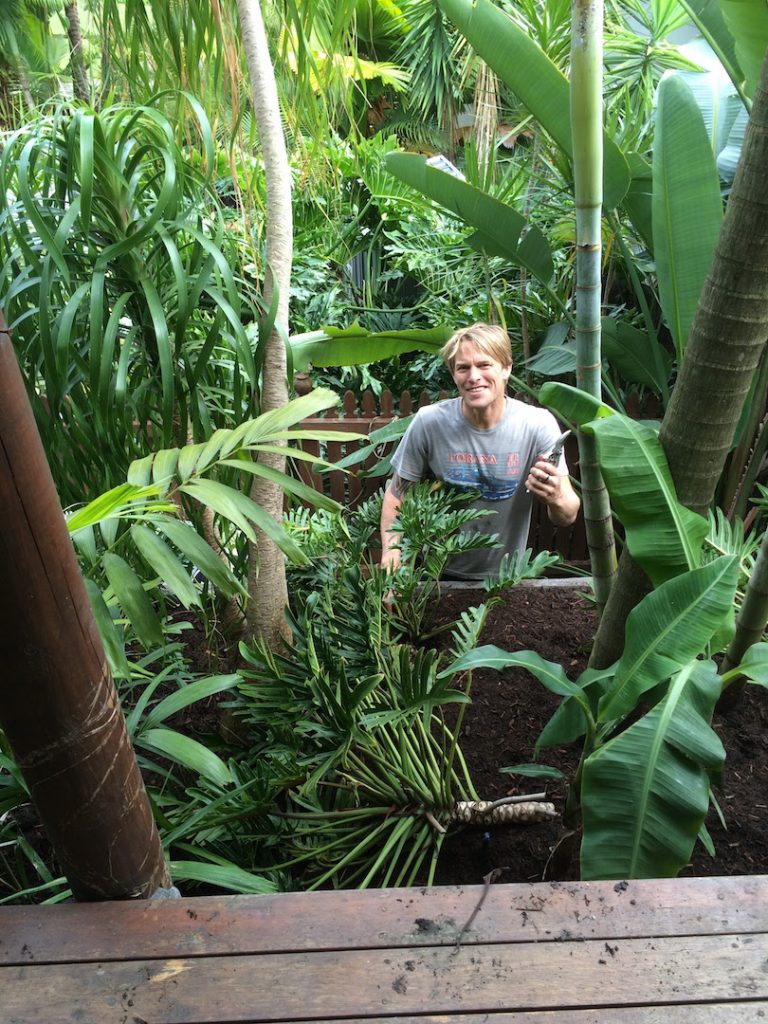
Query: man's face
point(481, 379)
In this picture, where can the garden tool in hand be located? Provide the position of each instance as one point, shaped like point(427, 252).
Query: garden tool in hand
point(554, 456)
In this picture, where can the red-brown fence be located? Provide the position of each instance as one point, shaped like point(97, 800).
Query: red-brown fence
point(350, 489)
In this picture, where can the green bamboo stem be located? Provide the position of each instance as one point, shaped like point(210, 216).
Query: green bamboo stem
point(587, 133)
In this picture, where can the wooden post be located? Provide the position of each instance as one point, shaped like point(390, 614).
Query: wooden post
point(58, 704)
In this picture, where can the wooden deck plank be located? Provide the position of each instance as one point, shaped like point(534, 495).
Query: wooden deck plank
point(207, 926)
point(375, 983)
point(701, 1013)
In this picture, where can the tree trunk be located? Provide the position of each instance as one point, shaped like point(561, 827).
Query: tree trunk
point(728, 336)
point(267, 588)
point(80, 86)
point(58, 703)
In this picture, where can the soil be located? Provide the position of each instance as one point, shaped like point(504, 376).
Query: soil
point(509, 710)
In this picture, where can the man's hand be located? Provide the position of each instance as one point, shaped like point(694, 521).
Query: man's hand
point(554, 490)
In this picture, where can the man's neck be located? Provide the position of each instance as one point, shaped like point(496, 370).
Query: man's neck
point(484, 419)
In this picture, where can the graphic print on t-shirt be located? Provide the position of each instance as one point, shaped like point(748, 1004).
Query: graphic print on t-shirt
point(495, 474)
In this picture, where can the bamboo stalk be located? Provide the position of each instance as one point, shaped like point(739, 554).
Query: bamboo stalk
point(587, 133)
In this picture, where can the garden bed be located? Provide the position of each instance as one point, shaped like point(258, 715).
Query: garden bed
point(510, 708)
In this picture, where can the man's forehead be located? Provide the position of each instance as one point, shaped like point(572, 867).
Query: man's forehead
point(469, 350)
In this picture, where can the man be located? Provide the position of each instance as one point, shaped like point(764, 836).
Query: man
point(485, 441)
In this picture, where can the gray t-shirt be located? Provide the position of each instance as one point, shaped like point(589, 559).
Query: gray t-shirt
point(441, 444)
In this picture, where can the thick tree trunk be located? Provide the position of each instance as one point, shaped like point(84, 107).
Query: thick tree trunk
point(58, 704)
point(727, 339)
point(80, 86)
point(267, 586)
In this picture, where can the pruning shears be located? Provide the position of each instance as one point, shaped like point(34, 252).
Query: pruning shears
point(554, 456)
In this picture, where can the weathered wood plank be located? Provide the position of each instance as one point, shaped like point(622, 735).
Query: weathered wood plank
point(710, 1013)
point(372, 983)
point(216, 925)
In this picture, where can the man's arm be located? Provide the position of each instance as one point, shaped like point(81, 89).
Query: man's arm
point(390, 506)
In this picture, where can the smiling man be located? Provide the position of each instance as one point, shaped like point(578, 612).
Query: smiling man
point(485, 441)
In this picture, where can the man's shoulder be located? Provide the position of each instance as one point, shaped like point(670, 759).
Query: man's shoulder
point(440, 412)
point(533, 415)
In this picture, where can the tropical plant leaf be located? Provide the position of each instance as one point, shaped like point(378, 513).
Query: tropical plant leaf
point(111, 635)
point(645, 793)
point(638, 357)
point(669, 627)
point(495, 220)
point(707, 15)
point(165, 564)
point(187, 752)
point(748, 24)
point(663, 536)
point(551, 675)
point(533, 771)
point(223, 876)
point(133, 600)
point(687, 207)
point(243, 512)
point(571, 404)
point(754, 664)
point(190, 693)
point(125, 501)
point(534, 79)
point(353, 346)
point(202, 555)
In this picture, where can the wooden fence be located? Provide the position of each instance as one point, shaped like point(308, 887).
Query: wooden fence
point(350, 488)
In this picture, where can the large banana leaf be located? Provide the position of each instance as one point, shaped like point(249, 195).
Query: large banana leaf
point(638, 357)
point(351, 346)
point(687, 207)
point(495, 221)
point(646, 792)
point(747, 21)
point(572, 404)
point(532, 76)
point(721, 108)
point(708, 18)
point(663, 536)
point(669, 628)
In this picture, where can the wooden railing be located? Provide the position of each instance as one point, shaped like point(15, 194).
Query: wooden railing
point(350, 488)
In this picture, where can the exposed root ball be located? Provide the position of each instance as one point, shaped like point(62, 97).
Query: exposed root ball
point(487, 812)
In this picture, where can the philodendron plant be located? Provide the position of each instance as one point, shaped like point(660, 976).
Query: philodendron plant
point(641, 791)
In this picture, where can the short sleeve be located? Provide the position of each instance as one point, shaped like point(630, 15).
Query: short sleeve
point(411, 460)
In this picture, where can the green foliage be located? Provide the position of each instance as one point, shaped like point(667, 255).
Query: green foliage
point(118, 283)
point(352, 711)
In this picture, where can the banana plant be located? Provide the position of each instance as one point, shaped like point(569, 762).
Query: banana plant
point(641, 792)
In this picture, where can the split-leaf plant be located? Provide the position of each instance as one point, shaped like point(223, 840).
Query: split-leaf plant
point(352, 713)
point(650, 756)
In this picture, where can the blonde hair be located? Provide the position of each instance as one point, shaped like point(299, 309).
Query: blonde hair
point(490, 339)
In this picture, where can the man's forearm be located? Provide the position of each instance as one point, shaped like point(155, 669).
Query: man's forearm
point(390, 506)
point(563, 512)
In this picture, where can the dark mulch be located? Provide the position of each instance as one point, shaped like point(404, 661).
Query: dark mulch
point(510, 708)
